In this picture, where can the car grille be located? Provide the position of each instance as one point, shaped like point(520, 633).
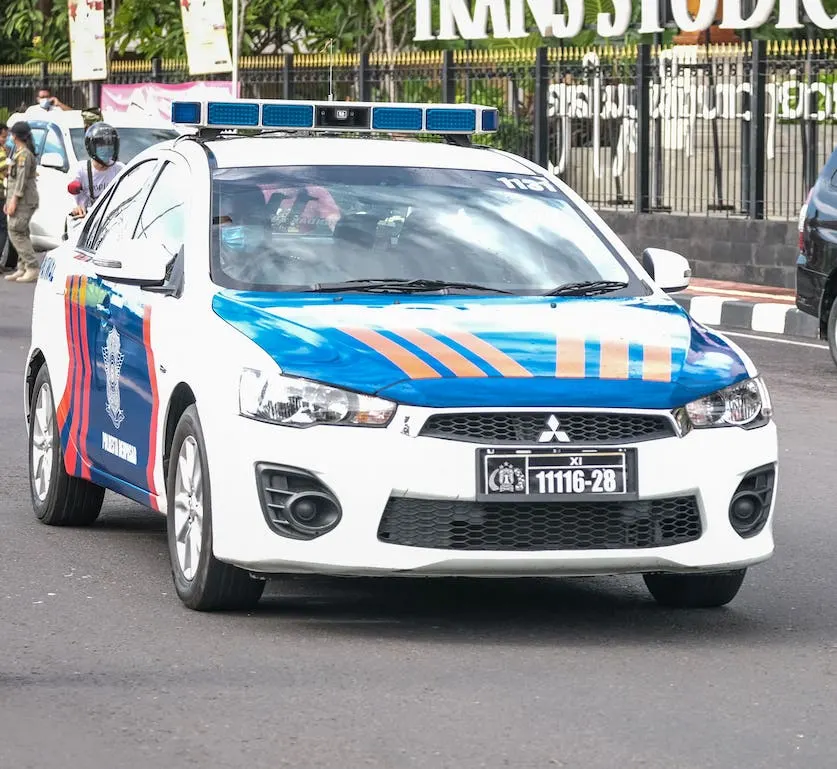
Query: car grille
point(526, 427)
point(462, 525)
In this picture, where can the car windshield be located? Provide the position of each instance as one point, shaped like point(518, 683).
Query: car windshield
point(315, 227)
point(132, 141)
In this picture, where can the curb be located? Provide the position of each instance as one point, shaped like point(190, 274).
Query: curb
point(764, 317)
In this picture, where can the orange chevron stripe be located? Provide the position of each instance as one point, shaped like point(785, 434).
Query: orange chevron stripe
point(569, 358)
point(447, 356)
point(413, 366)
point(489, 353)
point(614, 360)
point(656, 363)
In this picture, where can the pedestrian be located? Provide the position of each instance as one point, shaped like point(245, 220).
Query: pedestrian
point(46, 101)
point(95, 174)
point(8, 256)
point(22, 202)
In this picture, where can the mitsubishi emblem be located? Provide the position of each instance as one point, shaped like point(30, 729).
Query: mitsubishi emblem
point(552, 432)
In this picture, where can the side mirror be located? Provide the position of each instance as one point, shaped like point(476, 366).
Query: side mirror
point(135, 262)
point(669, 270)
point(54, 160)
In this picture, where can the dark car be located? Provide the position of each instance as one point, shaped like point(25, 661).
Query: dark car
point(816, 264)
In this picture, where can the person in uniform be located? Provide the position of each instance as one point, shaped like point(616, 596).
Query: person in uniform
point(5, 152)
point(22, 202)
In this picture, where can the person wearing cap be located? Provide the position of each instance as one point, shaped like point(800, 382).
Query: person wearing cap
point(95, 174)
point(21, 202)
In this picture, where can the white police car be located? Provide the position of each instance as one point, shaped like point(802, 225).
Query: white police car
point(58, 136)
point(357, 356)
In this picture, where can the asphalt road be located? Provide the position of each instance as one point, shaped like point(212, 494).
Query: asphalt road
point(100, 665)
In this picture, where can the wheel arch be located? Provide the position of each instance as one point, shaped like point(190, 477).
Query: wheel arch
point(36, 362)
point(829, 294)
point(181, 398)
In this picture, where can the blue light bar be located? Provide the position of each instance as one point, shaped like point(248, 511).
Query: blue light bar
point(186, 112)
point(396, 118)
point(331, 116)
point(445, 120)
point(221, 114)
point(288, 115)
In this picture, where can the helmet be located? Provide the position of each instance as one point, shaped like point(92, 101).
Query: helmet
point(102, 143)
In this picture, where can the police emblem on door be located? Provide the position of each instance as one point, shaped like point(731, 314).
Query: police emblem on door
point(112, 352)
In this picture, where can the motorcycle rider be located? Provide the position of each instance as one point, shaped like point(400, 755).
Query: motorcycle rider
point(95, 174)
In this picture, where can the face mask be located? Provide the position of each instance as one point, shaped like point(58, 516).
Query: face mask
point(105, 155)
point(46, 104)
point(240, 238)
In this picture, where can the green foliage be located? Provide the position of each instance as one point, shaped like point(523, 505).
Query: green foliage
point(33, 31)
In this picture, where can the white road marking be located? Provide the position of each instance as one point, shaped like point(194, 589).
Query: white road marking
point(778, 341)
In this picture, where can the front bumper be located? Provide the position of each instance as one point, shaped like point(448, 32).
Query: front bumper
point(365, 467)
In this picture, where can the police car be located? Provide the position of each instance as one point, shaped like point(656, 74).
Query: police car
point(58, 136)
point(319, 350)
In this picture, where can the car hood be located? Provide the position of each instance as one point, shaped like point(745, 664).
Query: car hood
point(455, 351)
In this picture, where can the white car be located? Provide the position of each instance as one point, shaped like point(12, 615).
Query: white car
point(357, 356)
point(58, 136)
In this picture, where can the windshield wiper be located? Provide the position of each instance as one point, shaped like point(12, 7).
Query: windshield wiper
point(587, 288)
point(401, 285)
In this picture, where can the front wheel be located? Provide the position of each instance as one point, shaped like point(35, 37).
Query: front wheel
point(695, 591)
point(202, 581)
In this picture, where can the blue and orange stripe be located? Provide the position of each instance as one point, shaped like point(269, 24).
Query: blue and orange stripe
point(155, 403)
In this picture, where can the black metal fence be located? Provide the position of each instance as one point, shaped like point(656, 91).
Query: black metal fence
point(733, 130)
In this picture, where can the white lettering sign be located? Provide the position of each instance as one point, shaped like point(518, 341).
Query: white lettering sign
point(457, 20)
point(119, 448)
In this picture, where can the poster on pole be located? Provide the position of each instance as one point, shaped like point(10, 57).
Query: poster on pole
point(88, 56)
point(205, 30)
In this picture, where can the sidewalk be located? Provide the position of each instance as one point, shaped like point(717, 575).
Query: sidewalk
point(752, 308)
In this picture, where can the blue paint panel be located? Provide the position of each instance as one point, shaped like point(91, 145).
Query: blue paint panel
point(302, 333)
point(635, 360)
point(592, 359)
point(118, 434)
point(101, 478)
point(467, 354)
point(417, 351)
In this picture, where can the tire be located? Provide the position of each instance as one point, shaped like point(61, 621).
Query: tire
point(831, 331)
point(58, 498)
point(202, 582)
point(695, 591)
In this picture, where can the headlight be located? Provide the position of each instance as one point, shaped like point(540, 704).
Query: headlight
point(297, 402)
point(745, 404)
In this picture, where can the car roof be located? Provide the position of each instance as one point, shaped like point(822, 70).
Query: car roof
point(74, 119)
point(326, 150)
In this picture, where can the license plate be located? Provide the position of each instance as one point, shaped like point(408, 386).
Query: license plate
point(555, 473)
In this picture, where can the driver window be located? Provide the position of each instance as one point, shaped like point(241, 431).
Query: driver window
point(118, 217)
point(163, 219)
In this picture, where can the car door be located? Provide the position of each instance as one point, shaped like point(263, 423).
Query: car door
point(47, 225)
point(115, 416)
point(124, 400)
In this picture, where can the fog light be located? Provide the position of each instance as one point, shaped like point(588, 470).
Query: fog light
point(312, 512)
point(750, 505)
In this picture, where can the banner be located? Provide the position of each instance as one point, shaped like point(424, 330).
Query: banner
point(469, 19)
point(207, 46)
point(87, 39)
point(154, 99)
